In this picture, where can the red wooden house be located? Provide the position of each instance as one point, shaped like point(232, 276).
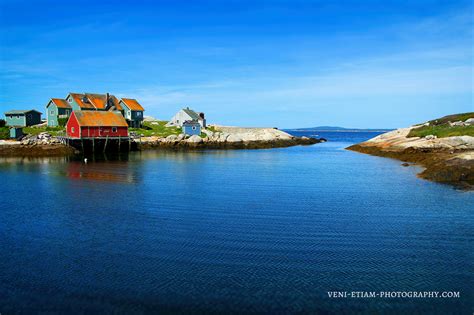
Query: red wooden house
point(96, 124)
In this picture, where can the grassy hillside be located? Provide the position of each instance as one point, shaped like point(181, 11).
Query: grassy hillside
point(452, 118)
point(156, 128)
point(440, 127)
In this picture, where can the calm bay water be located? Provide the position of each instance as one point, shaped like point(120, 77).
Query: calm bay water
point(245, 231)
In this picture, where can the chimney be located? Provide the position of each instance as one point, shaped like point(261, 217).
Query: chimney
point(107, 104)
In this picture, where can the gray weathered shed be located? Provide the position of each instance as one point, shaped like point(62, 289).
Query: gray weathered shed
point(23, 118)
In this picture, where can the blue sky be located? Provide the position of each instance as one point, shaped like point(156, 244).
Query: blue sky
point(380, 64)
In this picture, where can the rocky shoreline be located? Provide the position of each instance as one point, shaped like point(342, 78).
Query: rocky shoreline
point(447, 160)
point(228, 139)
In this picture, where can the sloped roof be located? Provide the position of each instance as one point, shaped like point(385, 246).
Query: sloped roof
point(132, 104)
point(98, 100)
point(100, 119)
point(191, 123)
point(60, 103)
point(20, 111)
point(191, 113)
point(116, 102)
point(78, 97)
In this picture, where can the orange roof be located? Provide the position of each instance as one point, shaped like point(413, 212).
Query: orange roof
point(132, 104)
point(100, 119)
point(79, 100)
point(61, 103)
point(98, 100)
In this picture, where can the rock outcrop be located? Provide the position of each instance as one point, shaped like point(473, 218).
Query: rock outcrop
point(398, 140)
point(42, 144)
point(230, 138)
point(448, 160)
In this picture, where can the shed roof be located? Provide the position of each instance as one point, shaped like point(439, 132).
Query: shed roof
point(60, 103)
point(100, 119)
point(20, 111)
point(191, 123)
point(191, 113)
point(132, 104)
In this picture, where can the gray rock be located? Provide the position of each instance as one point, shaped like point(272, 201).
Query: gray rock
point(457, 123)
point(223, 137)
point(430, 137)
point(208, 132)
point(469, 122)
point(194, 139)
point(172, 138)
point(234, 139)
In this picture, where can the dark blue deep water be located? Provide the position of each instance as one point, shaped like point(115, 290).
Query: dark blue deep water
point(245, 231)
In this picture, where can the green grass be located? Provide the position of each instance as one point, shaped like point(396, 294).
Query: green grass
point(452, 118)
point(442, 131)
point(54, 131)
point(157, 130)
point(212, 128)
point(440, 127)
point(4, 133)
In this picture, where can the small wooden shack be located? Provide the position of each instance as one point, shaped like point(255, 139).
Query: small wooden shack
point(96, 125)
point(191, 127)
point(16, 132)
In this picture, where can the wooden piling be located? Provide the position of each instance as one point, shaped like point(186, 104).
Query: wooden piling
point(105, 145)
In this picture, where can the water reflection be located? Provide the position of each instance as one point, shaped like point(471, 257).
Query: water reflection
point(113, 172)
point(113, 167)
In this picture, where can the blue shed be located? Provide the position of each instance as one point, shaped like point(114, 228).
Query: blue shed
point(22, 118)
point(16, 132)
point(191, 127)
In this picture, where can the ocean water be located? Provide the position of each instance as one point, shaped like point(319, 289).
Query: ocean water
point(244, 231)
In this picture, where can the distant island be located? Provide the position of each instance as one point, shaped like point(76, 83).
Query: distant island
point(444, 146)
point(338, 129)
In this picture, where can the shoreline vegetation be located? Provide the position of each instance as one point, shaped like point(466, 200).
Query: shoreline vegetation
point(42, 140)
point(444, 147)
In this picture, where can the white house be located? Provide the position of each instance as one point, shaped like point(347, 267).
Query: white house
point(187, 114)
